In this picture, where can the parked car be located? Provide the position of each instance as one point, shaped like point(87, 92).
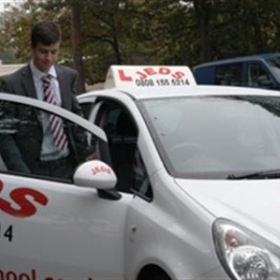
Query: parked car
point(196, 195)
point(258, 71)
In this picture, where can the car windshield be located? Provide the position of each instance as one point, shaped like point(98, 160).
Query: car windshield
point(215, 137)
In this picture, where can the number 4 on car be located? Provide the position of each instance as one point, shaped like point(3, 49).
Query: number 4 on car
point(185, 184)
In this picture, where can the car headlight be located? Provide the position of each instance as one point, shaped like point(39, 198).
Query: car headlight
point(244, 254)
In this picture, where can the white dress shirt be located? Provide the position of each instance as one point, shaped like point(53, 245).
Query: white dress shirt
point(49, 151)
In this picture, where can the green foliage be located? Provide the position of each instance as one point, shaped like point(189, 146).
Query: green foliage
point(171, 32)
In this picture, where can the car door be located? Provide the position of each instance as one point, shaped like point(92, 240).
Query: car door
point(53, 228)
point(136, 170)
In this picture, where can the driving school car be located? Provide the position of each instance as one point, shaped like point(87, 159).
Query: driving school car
point(186, 186)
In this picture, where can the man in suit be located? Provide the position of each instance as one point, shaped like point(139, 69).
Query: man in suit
point(36, 148)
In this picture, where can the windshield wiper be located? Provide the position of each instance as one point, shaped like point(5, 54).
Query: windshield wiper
point(268, 174)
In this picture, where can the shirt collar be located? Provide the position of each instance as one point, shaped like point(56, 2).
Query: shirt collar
point(38, 75)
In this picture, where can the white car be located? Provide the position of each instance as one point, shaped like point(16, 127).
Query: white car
point(196, 195)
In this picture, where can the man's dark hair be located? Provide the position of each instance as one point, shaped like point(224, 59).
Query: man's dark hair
point(46, 32)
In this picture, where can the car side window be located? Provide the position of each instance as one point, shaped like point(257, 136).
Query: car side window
point(122, 134)
point(26, 149)
point(258, 77)
point(230, 74)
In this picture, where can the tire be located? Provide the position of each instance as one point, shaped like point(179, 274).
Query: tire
point(160, 277)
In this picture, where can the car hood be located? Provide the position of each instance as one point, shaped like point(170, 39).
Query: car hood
point(252, 203)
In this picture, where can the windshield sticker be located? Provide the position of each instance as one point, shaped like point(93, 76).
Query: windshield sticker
point(27, 200)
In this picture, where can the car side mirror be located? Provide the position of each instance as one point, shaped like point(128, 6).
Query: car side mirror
point(95, 174)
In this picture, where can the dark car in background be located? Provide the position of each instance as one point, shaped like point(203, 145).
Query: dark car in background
point(259, 71)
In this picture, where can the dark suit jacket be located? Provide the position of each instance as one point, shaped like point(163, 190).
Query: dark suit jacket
point(21, 150)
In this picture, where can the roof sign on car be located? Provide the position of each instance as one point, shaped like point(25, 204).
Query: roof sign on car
point(120, 76)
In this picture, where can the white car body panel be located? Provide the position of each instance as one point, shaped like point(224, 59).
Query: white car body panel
point(167, 234)
point(75, 216)
point(223, 199)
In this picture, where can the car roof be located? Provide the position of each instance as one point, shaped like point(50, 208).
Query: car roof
point(239, 59)
point(167, 92)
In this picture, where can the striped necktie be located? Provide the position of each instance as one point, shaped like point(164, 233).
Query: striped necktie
point(56, 124)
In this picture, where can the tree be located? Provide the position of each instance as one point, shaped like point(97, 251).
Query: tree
point(77, 46)
point(99, 33)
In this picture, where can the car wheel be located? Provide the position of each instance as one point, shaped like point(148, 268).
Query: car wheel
point(160, 277)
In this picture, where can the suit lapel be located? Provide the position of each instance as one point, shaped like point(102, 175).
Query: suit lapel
point(29, 89)
point(28, 83)
point(63, 86)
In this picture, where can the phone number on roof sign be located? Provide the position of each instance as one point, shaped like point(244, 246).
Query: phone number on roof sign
point(161, 82)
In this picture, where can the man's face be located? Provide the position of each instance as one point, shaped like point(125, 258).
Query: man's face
point(45, 56)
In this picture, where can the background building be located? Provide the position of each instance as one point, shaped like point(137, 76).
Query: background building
point(8, 68)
